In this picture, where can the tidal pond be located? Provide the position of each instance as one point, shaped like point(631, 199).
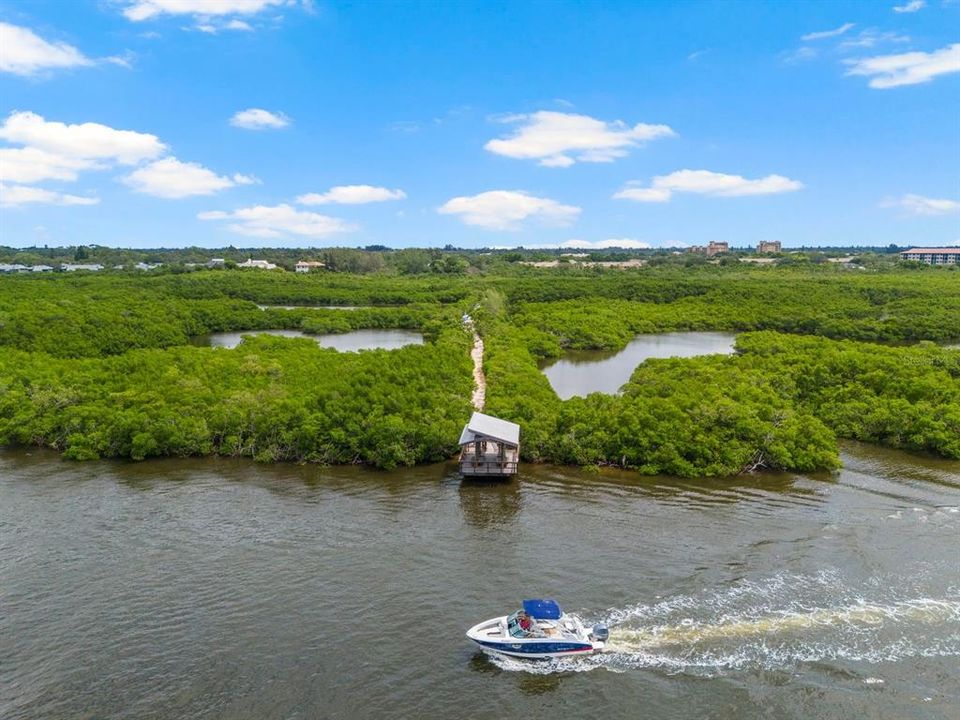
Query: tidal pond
point(581, 372)
point(218, 588)
point(373, 339)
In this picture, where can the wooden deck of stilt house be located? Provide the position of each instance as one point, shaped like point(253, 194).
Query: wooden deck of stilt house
point(489, 447)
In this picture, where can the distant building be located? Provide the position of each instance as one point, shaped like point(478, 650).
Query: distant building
point(697, 249)
point(933, 256)
point(216, 262)
point(73, 267)
point(147, 266)
point(305, 266)
point(18, 268)
point(258, 264)
point(715, 248)
point(768, 246)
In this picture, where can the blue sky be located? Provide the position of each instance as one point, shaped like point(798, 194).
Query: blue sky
point(163, 123)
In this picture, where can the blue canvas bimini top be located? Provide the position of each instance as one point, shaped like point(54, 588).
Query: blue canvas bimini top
point(542, 609)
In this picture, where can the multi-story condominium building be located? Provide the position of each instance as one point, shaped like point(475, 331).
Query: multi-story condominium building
point(933, 256)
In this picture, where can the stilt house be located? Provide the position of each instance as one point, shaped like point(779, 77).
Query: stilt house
point(489, 447)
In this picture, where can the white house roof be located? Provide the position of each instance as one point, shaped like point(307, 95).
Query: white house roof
point(487, 427)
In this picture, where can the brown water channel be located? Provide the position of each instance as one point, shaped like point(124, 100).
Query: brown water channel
point(213, 588)
point(374, 339)
point(581, 372)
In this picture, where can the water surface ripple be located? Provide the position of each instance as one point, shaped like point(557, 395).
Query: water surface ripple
point(225, 589)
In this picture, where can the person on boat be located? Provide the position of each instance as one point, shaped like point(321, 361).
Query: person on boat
point(525, 622)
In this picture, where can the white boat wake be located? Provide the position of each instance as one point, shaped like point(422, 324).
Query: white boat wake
point(773, 625)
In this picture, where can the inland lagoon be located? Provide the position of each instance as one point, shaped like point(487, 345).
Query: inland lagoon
point(581, 372)
point(373, 339)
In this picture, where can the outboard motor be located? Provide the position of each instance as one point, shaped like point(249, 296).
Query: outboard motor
point(600, 633)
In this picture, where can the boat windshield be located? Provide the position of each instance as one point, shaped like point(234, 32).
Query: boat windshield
point(519, 624)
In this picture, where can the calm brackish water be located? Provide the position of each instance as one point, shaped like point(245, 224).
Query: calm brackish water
point(582, 372)
point(344, 342)
point(224, 589)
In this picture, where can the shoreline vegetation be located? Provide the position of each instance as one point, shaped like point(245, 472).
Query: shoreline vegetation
point(100, 364)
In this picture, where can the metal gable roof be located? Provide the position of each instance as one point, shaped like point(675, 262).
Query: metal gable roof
point(486, 426)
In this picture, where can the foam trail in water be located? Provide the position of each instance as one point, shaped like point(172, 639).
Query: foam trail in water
point(770, 625)
point(918, 611)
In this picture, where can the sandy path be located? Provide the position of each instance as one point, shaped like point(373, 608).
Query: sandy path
point(479, 380)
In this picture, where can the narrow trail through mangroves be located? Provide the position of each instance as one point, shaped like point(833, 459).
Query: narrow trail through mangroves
point(479, 379)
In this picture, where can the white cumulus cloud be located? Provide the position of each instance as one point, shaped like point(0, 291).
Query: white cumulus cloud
point(508, 209)
point(139, 10)
point(705, 182)
point(23, 52)
point(30, 164)
point(910, 7)
point(557, 139)
point(169, 178)
point(61, 151)
point(919, 205)
point(13, 195)
point(279, 221)
point(352, 195)
point(83, 141)
point(912, 68)
point(824, 34)
point(259, 119)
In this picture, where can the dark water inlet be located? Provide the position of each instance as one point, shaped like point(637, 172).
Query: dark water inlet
point(581, 372)
point(218, 588)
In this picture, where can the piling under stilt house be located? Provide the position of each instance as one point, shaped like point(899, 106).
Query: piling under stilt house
point(489, 447)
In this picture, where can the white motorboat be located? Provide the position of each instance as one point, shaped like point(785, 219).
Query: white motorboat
point(540, 630)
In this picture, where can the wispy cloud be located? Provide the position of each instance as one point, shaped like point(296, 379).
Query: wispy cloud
point(823, 34)
point(352, 195)
point(910, 7)
point(871, 37)
point(919, 205)
point(15, 195)
point(508, 209)
point(705, 182)
point(557, 139)
point(404, 126)
point(259, 119)
point(912, 68)
point(140, 10)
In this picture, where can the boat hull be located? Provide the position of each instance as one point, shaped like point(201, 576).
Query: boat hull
point(490, 636)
